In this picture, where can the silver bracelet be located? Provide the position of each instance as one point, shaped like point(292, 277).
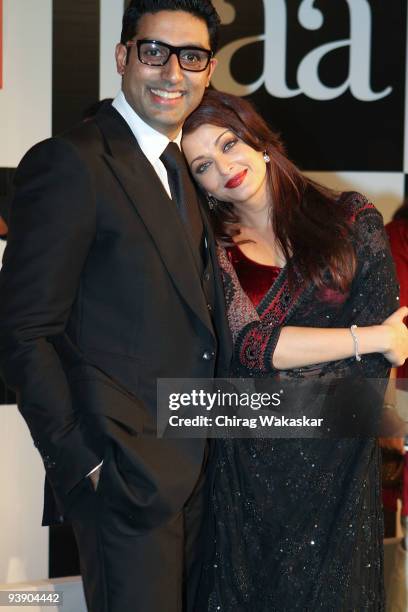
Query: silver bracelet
point(355, 340)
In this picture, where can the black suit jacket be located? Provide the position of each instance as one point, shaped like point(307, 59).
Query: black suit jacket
point(100, 296)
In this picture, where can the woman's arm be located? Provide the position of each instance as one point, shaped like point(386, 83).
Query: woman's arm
point(304, 346)
point(295, 347)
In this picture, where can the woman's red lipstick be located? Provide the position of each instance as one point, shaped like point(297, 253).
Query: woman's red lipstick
point(236, 180)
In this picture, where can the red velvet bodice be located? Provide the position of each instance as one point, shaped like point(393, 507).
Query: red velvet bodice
point(255, 278)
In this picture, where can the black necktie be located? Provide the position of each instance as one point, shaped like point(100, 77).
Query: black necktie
point(183, 193)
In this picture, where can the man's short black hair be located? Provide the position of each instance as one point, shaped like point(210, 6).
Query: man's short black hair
point(203, 9)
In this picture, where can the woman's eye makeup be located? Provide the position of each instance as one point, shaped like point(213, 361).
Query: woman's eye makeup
point(201, 168)
point(228, 144)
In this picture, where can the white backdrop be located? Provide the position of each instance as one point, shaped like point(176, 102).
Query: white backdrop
point(24, 543)
point(384, 189)
point(111, 21)
point(25, 99)
point(25, 118)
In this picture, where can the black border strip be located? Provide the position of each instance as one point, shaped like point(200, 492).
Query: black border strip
point(75, 65)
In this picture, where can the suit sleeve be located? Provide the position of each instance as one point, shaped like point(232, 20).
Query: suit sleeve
point(52, 225)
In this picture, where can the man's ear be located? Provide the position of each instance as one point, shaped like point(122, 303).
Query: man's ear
point(121, 56)
point(213, 65)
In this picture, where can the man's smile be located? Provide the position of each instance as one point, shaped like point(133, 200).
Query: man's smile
point(167, 96)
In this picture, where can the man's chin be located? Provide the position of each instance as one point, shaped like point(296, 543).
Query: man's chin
point(170, 122)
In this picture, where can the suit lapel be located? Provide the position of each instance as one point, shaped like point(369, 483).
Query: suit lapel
point(158, 213)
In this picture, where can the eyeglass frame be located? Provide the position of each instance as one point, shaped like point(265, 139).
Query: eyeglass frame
point(173, 51)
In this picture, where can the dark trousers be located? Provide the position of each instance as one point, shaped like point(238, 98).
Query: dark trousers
point(158, 571)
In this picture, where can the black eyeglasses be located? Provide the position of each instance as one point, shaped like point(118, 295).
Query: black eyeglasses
point(157, 53)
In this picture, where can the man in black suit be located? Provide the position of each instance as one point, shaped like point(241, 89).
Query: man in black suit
point(109, 283)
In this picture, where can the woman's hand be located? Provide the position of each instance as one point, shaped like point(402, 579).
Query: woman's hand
point(397, 351)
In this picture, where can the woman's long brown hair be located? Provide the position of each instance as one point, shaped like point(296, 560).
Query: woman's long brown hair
point(309, 223)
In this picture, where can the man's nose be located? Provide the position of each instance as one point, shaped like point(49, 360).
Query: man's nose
point(172, 71)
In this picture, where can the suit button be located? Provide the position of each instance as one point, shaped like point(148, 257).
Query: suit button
point(209, 307)
point(207, 276)
point(208, 355)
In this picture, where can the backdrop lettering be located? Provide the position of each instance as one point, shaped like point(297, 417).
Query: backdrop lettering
point(274, 60)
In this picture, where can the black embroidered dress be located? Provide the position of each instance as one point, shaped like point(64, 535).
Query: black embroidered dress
point(298, 522)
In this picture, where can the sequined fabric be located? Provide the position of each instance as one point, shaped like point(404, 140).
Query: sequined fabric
point(298, 523)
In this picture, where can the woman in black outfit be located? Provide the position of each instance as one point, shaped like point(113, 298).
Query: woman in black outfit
point(298, 521)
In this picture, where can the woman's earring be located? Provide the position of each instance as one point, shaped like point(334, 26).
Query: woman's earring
point(266, 157)
point(212, 201)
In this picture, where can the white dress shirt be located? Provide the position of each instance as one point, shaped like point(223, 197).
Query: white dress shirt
point(150, 141)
